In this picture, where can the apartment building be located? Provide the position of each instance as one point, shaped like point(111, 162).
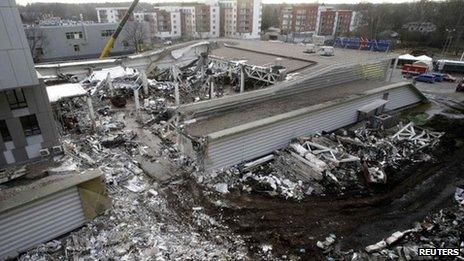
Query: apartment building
point(26, 122)
point(197, 20)
point(344, 22)
point(300, 18)
point(111, 14)
point(327, 22)
point(73, 41)
point(316, 19)
point(241, 18)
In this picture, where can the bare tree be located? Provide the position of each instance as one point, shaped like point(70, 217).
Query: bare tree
point(135, 34)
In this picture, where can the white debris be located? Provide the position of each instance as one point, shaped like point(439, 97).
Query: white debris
point(266, 248)
point(221, 188)
point(459, 195)
point(153, 192)
point(329, 241)
point(394, 237)
point(66, 90)
point(376, 247)
point(135, 185)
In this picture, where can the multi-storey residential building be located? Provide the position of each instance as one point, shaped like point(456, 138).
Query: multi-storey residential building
point(327, 22)
point(300, 18)
point(199, 20)
point(111, 14)
point(26, 121)
point(344, 22)
point(73, 41)
point(315, 19)
point(241, 18)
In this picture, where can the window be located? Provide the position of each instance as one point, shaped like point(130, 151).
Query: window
point(4, 131)
point(74, 35)
point(77, 48)
point(30, 125)
point(107, 32)
point(16, 98)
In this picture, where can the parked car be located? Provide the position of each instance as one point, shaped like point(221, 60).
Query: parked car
point(438, 76)
point(449, 78)
point(425, 77)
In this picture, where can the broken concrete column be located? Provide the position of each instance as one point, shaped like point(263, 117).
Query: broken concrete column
point(136, 99)
point(90, 107)
point(211, 90)
point(176, 93)
point(143, 78)
point(242, 79)
point(109, 81)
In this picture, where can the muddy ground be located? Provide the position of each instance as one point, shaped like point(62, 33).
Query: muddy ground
point(294, 227)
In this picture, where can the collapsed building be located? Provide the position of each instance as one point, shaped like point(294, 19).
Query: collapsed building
point(223, 104)
point(221, 135)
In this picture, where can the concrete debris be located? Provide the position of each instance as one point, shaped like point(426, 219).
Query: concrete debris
point(135, 185)
point(330, 164)
point(376, 247)
point(394, 237)
point(459, 195)
point(327, 243)
point(442, 229)
point(144, 222)
point(221, 188)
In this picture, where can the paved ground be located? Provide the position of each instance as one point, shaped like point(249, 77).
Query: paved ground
point(438, 89)
point(296, 51)
point(273, 107)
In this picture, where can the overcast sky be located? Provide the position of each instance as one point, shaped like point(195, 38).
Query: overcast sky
point(264, 1)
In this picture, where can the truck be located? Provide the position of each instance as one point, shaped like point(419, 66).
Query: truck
point(411, 70)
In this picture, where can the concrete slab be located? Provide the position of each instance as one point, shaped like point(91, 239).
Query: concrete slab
point(161, 170)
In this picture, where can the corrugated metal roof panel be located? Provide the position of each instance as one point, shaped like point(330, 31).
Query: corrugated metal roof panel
point(246, 145)
point(40, 221)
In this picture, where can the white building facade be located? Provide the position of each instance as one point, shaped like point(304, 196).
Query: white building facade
point(241, 18)
point(207, 19)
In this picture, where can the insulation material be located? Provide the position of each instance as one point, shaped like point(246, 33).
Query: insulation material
point(61, 91)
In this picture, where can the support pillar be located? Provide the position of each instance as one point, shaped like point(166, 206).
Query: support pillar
point(136, 99)
point(242, 79)
point(393, 69)
point(211, 90)
point(176, 93)
point(143, 77)
point(109, 81)
point(90, 107)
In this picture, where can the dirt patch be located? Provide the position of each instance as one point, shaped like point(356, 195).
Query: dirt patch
point(293, 228)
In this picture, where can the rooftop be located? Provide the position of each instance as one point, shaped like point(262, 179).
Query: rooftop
point(278, 105)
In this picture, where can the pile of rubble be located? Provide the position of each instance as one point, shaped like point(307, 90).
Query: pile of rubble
point(335, 163)
point(439, 230)
point(148, 221)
